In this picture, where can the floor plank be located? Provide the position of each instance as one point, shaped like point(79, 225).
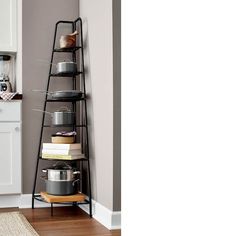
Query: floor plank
point(71, 221)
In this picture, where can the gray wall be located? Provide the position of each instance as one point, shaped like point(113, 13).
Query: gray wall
point(116, 10)
point(39, 18)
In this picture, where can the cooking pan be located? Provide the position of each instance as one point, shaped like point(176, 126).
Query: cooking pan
point(62, 117)
point(63, 94)
point(70, 94)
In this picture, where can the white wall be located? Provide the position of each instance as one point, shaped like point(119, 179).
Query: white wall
point(97, 23)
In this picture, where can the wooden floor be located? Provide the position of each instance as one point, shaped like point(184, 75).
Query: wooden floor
point(65, 222)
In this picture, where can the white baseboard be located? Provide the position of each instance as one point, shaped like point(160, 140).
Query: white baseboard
point(21, 201)
point(8, 201)
point(110, 219)
point(116, 220)
point(26, 201)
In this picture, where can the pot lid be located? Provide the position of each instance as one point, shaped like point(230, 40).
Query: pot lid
point(66, 62)
point(60, 166)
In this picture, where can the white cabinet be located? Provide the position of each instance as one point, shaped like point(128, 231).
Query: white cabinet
point(10, 149)
point(11, 36)
point(8, 25)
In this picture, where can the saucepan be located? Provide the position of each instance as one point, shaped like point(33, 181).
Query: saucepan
point(61, 117)
point(66, 67)
point(63, 66)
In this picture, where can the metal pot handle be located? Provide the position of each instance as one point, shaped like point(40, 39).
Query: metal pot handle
point(46, 112)
point(73, 183)
point(41, 91)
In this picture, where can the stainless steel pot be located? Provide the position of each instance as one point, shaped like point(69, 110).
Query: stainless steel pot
point(61, 188)
point(66, 67)
point(62, 117)
point(61, 172)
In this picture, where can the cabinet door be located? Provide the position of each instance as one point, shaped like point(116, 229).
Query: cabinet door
point(10, 158)
point(8, 16)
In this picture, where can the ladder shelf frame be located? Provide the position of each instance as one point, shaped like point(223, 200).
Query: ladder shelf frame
point(83, 110)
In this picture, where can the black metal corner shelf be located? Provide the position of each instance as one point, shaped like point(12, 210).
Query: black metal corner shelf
point(81, 124)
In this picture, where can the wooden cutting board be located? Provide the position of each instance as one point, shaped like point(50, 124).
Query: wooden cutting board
point(79, 197)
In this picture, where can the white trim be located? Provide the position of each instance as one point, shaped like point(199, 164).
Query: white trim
point(18, 73)
point(26, 202)
point(7, 201)
point(116, 220)
point(22, 201)
point(110, 219)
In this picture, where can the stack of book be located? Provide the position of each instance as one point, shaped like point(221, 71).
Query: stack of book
point(62, 151)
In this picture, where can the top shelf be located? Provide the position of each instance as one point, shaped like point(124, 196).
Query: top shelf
point(66, 49)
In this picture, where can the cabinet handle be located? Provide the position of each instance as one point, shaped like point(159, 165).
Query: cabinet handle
point(17, 128)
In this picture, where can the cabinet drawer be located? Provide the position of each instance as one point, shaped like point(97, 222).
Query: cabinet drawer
point(10, 111)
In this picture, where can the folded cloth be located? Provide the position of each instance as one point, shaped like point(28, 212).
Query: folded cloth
point(7, 96)
point(66, 133)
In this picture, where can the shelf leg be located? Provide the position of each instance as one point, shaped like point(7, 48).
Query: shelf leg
point(90, 192)
point(32, 201)
point(51, 209)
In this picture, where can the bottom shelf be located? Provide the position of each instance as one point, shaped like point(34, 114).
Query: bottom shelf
point(79, 197)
